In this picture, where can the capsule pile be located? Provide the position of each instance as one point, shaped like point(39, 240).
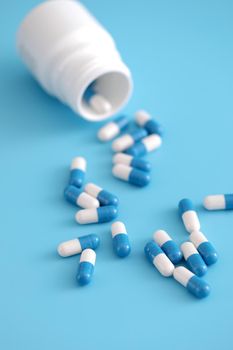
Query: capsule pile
point(98, 205)
point(197, 252)
point(132, 145)
point(86, 246)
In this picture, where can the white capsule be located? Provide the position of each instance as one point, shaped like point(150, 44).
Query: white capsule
point(88, 255)
point(86, 201)
point(164, 265)
point(218, 202)
point(79, 163)
point(87, 216)
point(122, 143)
point(100, 104)
point(108, 132)
point(142, 117)
point(182, 275)
point(69, 248)
point(152, 142)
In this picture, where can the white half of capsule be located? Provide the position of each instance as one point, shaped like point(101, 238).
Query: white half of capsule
point(79, 163)
point(122, 171)
point(182, 275)
point(122, 143)
point(86, 216)
point(188, 249)
point(142, 117)
point(92, 189)
point(163, 265)
point(122, 158)
point(215, 202)
point(118, 227)
point(161, 237)
point(88, 255)
point(197, 237)
point(108, 131)
point(86, 201)
point(152, 142)
point(69, 248)
point(191, 221)
point(100, 104)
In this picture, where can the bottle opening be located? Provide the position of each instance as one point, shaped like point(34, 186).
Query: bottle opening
point(105, 96)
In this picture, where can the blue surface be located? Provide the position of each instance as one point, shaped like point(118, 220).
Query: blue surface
point(180, 54)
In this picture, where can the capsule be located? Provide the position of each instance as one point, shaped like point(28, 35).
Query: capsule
point(99, 215)
point(100, 104)
point(134, 176)
point(112, 129)
point(189, 215)
point(77, 245)
point(78, 170)
point(193, 259)
point(157, 257)
point(170, 248)
point(120, 239)
point(76, 196)
point(146, 145)
point(219, 202)
point(194, 284)
point(145, 120)
point(128, 140)
point(104, 197)
point(86, 266)
point(134, 162)
point(204, 247)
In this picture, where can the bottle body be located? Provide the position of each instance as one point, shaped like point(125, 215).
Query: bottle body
point(69, 52)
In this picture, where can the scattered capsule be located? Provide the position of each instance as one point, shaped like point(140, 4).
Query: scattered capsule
point(132, 175)
point(146, 145)
point(112, 129)
point(99, 215)
point(145, 120)
point(194, 260)
point(204, 247)
point(194, 284)
point(78, 170)
point(189, 215)
point(86, 266)
point(121, 245)
point(100, 104)
point(76, 196)
point(219, 202)
point(134, 162)
point(157, 257)
point(104, 197)
point(77, 245)
point(128, 140)
point(170, 248)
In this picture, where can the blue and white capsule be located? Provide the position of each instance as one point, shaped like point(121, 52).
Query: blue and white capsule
point(170, 247)
point(144, 120)
point(77, 245)
point(132, 175)
point(99, 215)
point(86, 266)
point(194, 284)
point(189, 215)
point(120, 239)
point(76, 196)
point(112, 129)
point(128, 140)
point(147, 144)
point(219, 202)
point(78, 171)
point(158, 258)
point(193, 259)
point(104, 197)
point(204, 247)
point(134, 162)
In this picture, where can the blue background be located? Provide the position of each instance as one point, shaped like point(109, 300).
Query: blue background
point(180, 54)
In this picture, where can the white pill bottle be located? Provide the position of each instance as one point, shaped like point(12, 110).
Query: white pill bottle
point(69, 53)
